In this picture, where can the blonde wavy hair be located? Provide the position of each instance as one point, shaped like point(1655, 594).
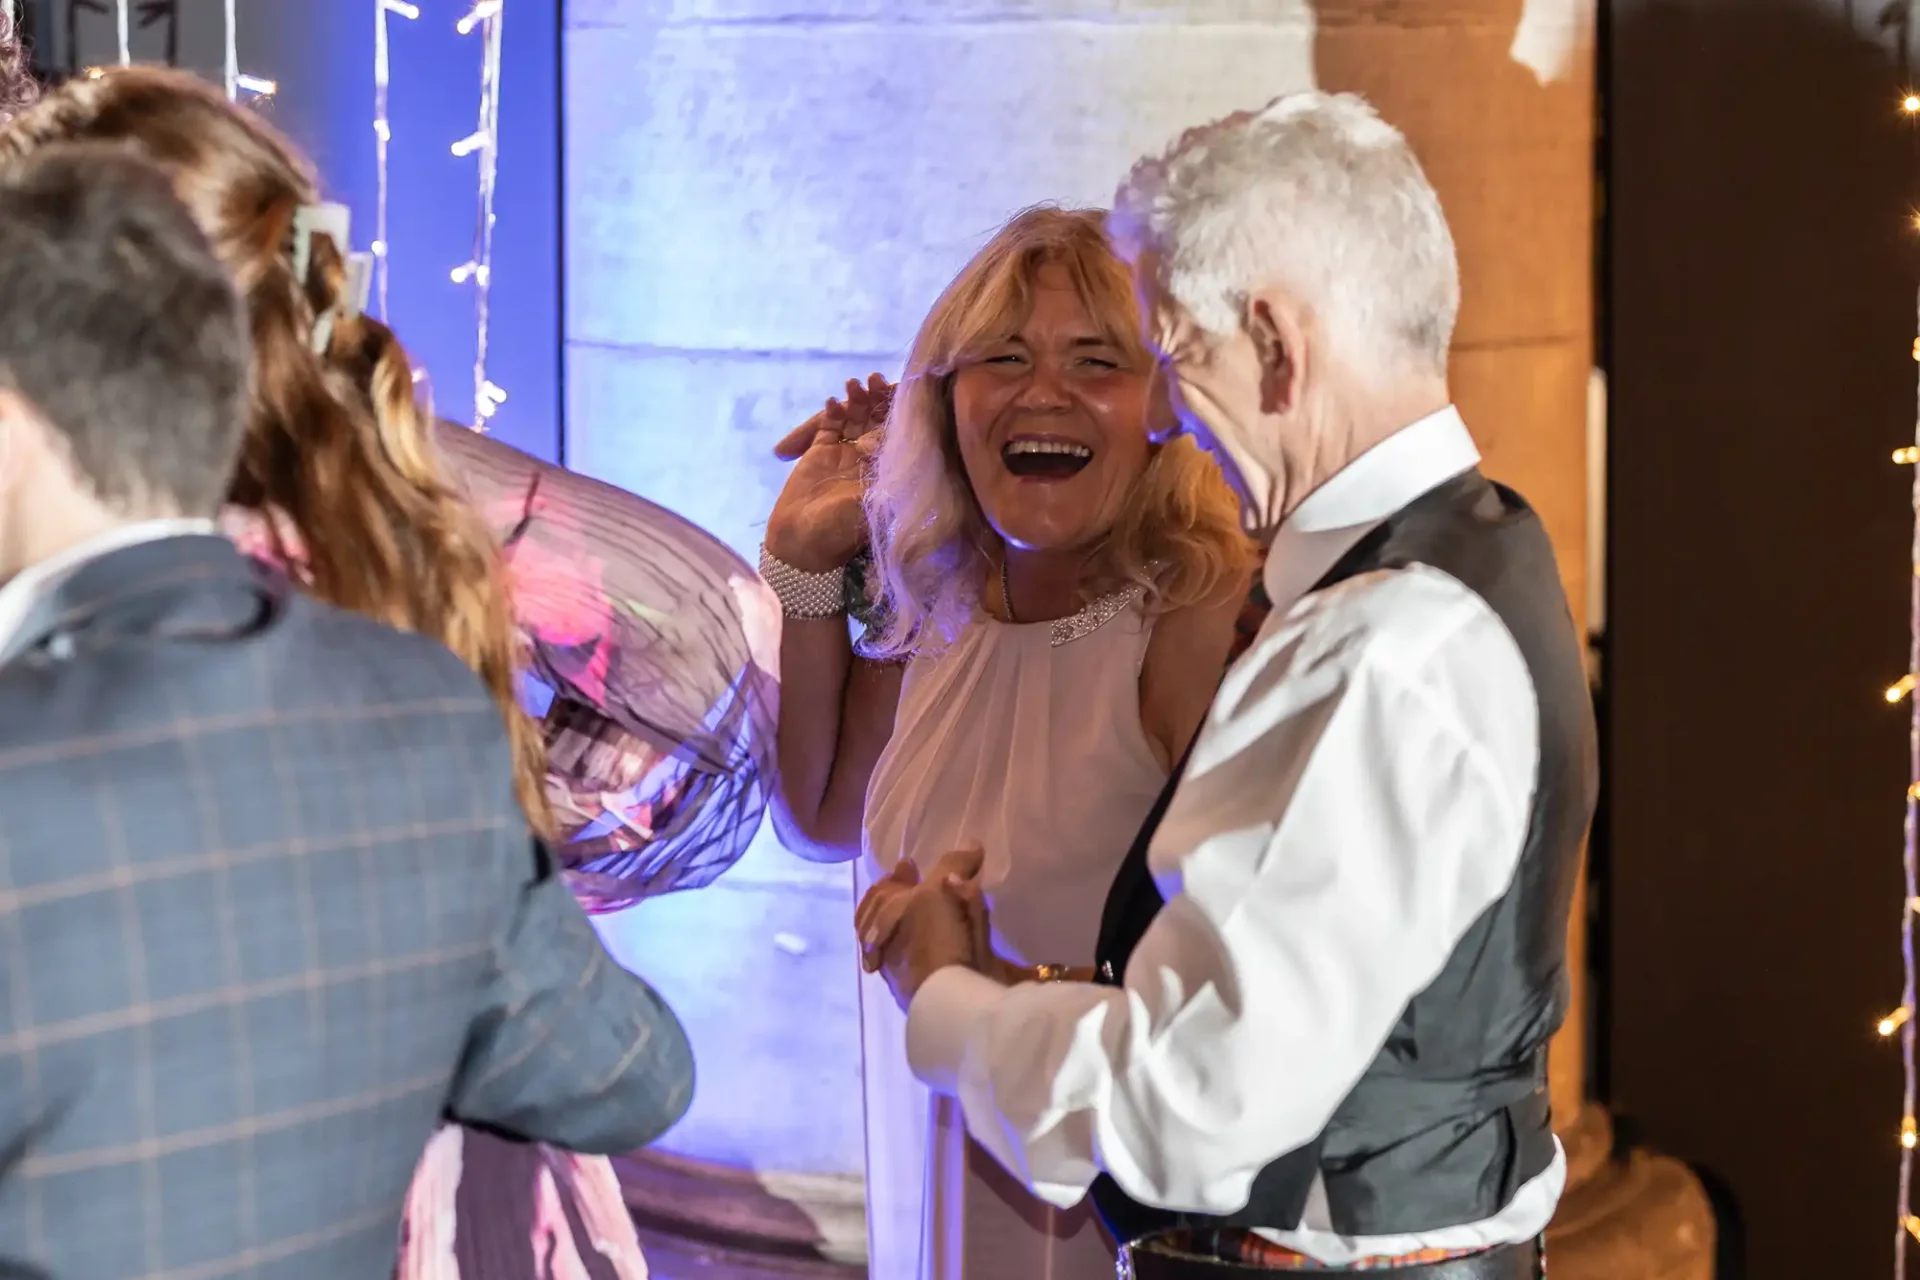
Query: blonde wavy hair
point(1178, 537)
point(337, 446)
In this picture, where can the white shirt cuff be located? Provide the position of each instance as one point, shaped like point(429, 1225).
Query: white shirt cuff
point(941, 1022)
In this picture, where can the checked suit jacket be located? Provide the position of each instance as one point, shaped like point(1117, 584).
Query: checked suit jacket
point(268, 910)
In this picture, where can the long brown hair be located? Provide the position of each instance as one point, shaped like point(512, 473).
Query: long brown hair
point(337, 444)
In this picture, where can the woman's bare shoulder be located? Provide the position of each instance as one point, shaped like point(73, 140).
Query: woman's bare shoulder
point(1185, 659)
point(1208, 618)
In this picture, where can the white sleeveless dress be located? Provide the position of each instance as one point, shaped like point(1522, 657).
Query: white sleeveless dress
point(1024, 739)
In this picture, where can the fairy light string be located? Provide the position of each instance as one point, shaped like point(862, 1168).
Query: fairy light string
point(1901, 1021)
point(486, 17)
point(239, 82)
point(383, 133)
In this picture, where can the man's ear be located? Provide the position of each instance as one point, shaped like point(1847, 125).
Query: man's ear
point(1281, 348)
point(13, 426)
point(1163, 421)
point(25, 437)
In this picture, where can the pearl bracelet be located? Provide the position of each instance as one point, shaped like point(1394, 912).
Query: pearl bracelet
point(803, 596)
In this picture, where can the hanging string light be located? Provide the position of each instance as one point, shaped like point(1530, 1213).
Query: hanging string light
point(485, 17)
point(383, 133)
point(1900, 1022)
point(238, 82)
point(130, 18)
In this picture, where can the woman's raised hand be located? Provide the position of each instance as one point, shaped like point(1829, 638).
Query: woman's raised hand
point(864, 409)
point(818, 523)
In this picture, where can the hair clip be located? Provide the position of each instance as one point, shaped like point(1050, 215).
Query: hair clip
point(359, 286)
point(334, 221)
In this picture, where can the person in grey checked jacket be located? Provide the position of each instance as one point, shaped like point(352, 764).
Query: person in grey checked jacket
point(268, 907)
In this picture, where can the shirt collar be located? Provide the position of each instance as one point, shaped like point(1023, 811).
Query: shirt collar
point(26, 589)
point(1327, 524)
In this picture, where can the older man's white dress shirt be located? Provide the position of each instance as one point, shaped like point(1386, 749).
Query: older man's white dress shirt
point(1387, 732)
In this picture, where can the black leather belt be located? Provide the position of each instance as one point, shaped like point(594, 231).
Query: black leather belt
point(1511, 1262)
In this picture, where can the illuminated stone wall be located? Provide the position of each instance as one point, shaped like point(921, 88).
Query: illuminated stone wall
point(763, 199)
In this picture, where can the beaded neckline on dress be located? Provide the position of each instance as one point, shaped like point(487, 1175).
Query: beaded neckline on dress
point(1095, 615)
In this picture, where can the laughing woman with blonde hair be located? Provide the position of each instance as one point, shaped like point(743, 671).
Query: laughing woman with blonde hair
point(1060, 588)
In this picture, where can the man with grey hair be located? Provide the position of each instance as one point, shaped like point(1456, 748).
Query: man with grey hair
point(1333, 961)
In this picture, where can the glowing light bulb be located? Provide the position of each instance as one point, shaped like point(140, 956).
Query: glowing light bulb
point(479, 14)
point(1899, 1021)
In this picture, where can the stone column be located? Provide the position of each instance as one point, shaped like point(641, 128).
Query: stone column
point(1497, 97)
point(764, 196)
point(1512, 159)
